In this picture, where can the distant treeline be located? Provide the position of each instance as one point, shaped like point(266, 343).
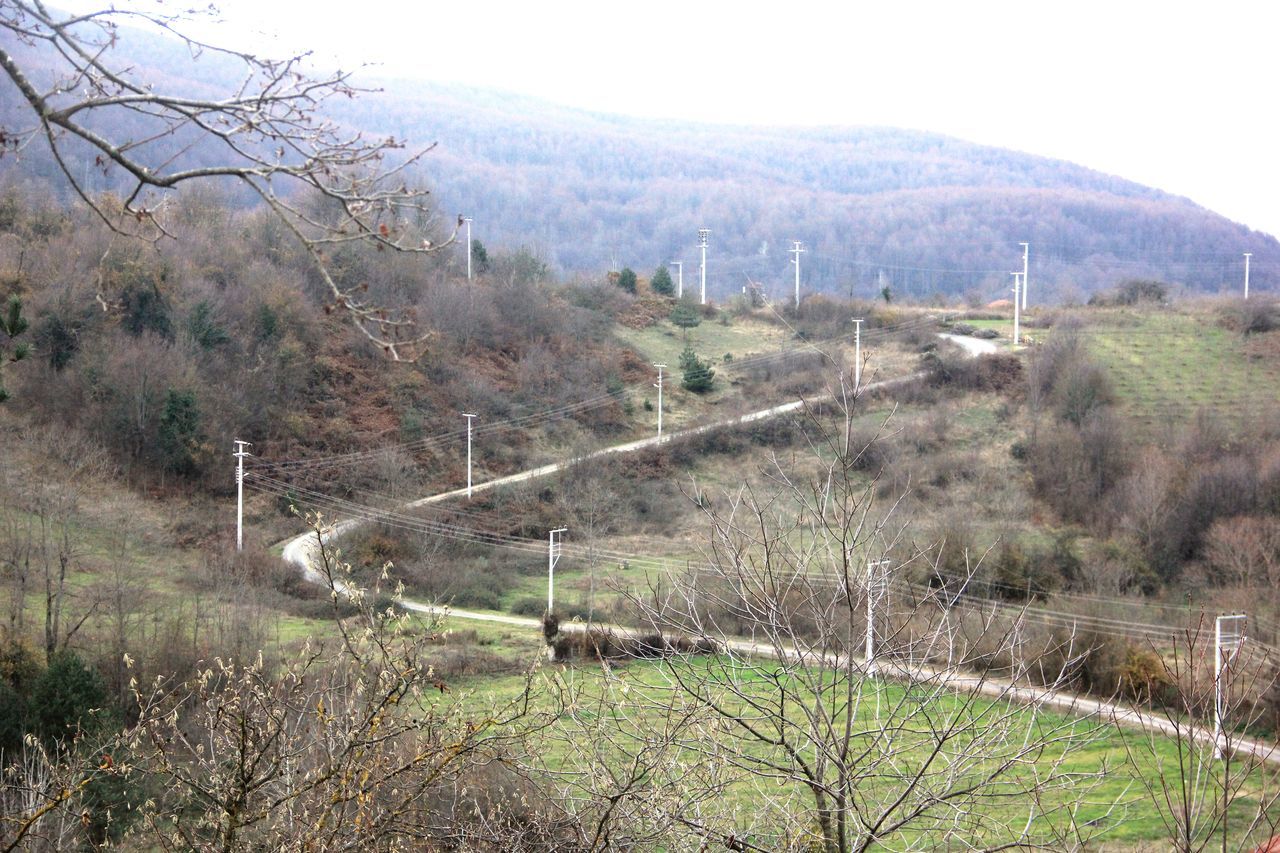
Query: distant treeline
point(920, 214)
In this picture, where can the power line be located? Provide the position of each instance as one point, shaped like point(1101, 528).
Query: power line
point(1044, 615)
point(452, 437)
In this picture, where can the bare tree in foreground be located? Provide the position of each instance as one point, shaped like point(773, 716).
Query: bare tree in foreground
point(264, 131)
point(1209, 795)
point(829, 754)
point(349, 745)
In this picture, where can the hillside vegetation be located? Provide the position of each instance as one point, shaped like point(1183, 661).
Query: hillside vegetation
point(923, 214)
point(892, 606)
point(117, 484)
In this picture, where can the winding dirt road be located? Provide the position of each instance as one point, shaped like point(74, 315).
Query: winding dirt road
point(303, 551)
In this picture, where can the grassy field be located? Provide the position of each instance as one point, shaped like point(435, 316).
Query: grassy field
point(953, 461)
point(158, 567)
point(738, 337)
point(611, 708)
point(1166, 365)
point(727, 341)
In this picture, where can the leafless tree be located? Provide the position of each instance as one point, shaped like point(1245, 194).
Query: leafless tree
point(122, 591)
point(592, 507)
point(346, 746)
point(1207, 791)
point(1245, 549)
point(836, 756)
point(91, 105)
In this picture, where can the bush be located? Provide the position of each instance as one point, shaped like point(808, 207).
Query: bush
point(64, 698)
point(1080, 389)
point(598, 644)
point(584, 645)
point(1255, 316)
point(1000, 373)
point(466, 660)
point(528, 605)
point(13, 715)
point(1143, 677)
point(1019, 576)
point(699, 375)
point(652, 646)
point(1132, 292)
point(661, 282)
point(480, 595)
point(1074, 469)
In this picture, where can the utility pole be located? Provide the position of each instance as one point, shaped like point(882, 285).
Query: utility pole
point(1228, 637)
point(871, 612)
point(857, 354)
point(659, 387)
point(1017, 314)
point(1247, 256)
point(679, 265)
point(1026, 259)
point(797, 248)
point(469, 417)
point(702, 244)
point(467, 220)
point(554, 548)
point(240, 453)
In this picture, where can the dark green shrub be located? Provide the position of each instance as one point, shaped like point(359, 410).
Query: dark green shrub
point(661, 282)
point(66, 698)
point(528, 605)
point(13, 715)
point(699, 375)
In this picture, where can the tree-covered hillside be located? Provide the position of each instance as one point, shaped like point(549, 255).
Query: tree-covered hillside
point(918, 213)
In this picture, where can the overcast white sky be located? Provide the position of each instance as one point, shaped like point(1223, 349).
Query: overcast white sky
point(1180, 96)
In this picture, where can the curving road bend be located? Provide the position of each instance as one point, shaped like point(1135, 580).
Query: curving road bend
point(302, 552)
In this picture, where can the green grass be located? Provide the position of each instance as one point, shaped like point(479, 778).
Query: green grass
point(628, 702)
point(1164, 366)
point(167, 575)
point(663, 342)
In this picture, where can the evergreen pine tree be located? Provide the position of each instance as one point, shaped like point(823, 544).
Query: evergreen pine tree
point(479, 257)
point(685, 316)
point(627, 280)
point(698, 374)
point(661, 282)
point(63, 697)
point(179, 432)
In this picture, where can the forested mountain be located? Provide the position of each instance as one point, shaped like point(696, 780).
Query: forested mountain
point(920, 213)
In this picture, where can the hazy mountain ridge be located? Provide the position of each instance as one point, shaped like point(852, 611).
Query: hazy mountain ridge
point(919, 212)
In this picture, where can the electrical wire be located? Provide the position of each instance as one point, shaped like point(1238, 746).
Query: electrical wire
point(1042, 615)
point(452, 437)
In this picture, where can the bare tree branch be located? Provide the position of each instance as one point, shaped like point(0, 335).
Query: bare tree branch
point(266, 133)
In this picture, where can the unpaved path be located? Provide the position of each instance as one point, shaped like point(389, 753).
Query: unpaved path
point(303, 552)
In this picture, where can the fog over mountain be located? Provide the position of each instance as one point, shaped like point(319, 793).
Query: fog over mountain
point(919, 213)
